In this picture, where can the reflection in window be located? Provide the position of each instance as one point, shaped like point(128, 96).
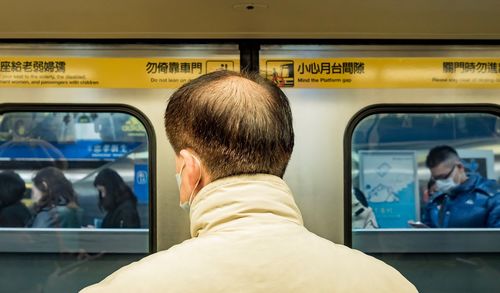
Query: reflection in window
point(392, 183)
point(80, 170)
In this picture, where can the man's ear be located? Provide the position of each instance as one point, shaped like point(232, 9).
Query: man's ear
point(462, 174)
point(192, 172)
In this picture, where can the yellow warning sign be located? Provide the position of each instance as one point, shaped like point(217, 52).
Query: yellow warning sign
point(70, 72)
point(214, 65)
point(383, 72)
point(281, 72)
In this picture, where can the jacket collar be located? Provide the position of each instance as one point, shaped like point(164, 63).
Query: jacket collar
point(472, 182)
point(437, 196)
point(260, 198)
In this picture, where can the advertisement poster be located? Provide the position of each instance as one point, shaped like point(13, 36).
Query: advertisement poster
point(389, 181)
point(479, 162)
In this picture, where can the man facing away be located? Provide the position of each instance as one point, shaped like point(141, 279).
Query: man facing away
point(461, 200)
point(233, 137)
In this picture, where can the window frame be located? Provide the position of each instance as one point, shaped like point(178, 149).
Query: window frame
point(423, 108)
point(108, 108)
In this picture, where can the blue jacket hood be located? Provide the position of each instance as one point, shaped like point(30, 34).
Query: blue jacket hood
point(476, 183)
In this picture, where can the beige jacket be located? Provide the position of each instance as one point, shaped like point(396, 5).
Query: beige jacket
point(248, 236)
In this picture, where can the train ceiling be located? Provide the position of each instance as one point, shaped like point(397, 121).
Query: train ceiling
point(230, 19)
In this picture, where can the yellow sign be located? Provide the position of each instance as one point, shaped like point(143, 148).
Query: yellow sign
point(67, 72)
point(214, 65)
point(383, 72)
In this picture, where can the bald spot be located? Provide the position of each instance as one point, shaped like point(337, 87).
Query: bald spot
point(236, 124)
point(247, 101)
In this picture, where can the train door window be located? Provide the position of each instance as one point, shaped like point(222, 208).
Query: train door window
point(419, 177)
point(74, 183)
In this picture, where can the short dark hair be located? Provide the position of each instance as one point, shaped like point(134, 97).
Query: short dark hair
point(56, 189)
point(117, 191)
point(431, 183)
point(12, 188)
point(440, 154)
point(238, 123)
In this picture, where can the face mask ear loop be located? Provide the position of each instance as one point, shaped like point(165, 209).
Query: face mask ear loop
point(182, 169)
point(197, 182)
point(178, 178)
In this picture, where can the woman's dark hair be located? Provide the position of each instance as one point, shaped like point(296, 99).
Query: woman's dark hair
point(12, 188)
point(117, 191)
point(56, 189)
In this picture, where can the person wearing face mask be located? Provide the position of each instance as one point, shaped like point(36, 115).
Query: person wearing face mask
point(233, 137)
point(117, 199)
point(461, 200)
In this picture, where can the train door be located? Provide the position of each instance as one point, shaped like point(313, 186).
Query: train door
point(92, 117)
point(365, 119)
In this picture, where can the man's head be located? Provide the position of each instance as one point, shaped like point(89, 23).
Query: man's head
point(446, 168)
point(226, 123)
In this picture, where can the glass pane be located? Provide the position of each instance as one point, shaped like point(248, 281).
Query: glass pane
point(74, 181)
point(393, 190)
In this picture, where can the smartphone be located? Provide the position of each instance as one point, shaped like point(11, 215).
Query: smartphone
point(417, 224)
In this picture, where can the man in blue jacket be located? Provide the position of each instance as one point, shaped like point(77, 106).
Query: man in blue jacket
point(462, 200)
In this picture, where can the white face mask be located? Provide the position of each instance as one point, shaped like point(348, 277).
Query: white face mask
point(178, 177)
point(446, 185)
point(185, 206)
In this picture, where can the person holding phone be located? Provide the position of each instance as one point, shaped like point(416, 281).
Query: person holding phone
point(461, 200)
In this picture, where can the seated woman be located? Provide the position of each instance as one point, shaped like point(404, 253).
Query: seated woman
point(117, 199)
point(13, 213)
point(55, 201)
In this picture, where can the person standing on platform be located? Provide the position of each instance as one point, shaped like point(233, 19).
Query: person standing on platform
point(233, 137)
